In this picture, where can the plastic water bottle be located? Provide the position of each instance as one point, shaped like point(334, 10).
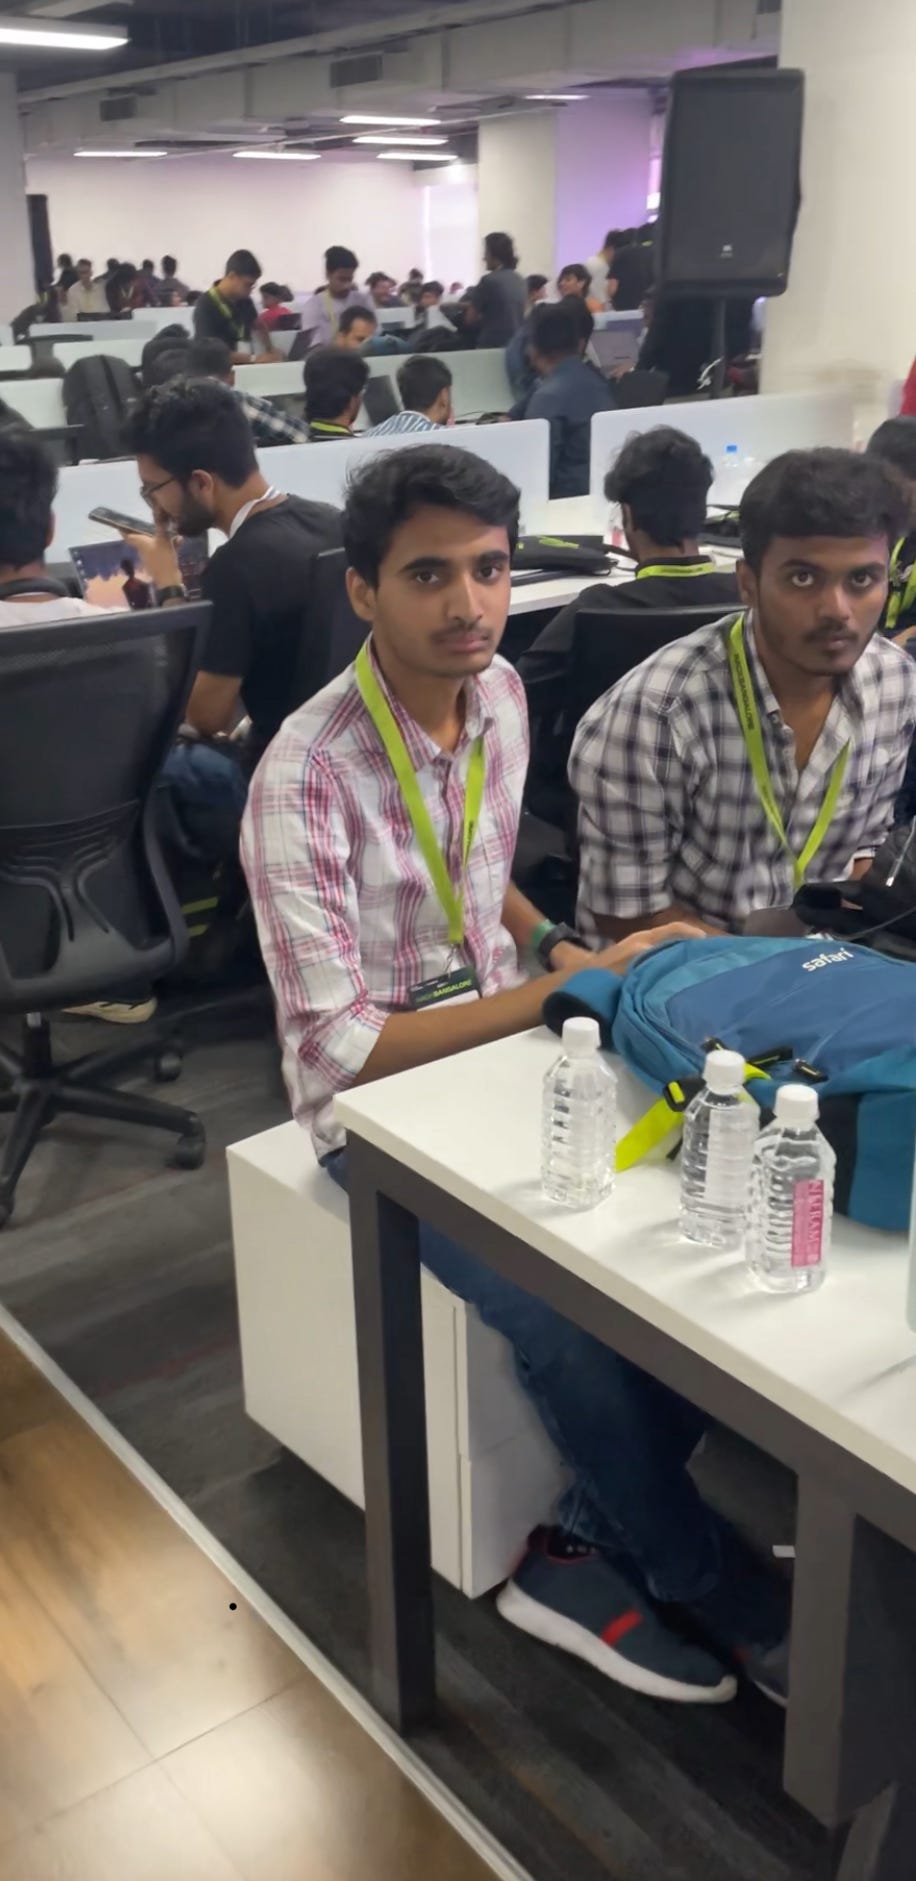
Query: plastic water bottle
point(720, 1129)
point(578, 1120)
point(729, 486)
point(790, 1213)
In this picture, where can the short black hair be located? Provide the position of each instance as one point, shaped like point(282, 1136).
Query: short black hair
point(534, 281)
point(502, 249)
point(379, 274)
point(168, 264)
point(28, 485)
point(242, 261)
point(167, 364)
point(824, 492)
point(577, 269)
point(84, 262)
point(332, 378)
point(147, 266)
point(894, 443)
point(664, 478)
point(390, 488)
point(420, 381)
point(277, 289)
point(336, 257)
point(65, 261)
point(613, 238)
point(558, 330)
point(350, 316)
point(208, 359)
point(193, 424)
point(432, 287)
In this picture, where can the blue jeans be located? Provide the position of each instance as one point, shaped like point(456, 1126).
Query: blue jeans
point(206, 791)
point(627, 1438)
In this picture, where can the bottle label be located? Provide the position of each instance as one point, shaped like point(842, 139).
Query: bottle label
point(808, 1224)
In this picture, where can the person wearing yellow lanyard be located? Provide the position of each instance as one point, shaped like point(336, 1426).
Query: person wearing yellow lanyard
point(322, 311)
point(378, 845)
point(764, 750)
point(227, 312)
point(894, 443)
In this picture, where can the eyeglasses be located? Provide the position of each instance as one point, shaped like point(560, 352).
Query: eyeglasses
point(149, 490)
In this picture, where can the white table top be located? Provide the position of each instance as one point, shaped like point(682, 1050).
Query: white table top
point(843, 1360)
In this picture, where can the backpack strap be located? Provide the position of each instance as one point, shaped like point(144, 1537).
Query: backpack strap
point(663, 1119)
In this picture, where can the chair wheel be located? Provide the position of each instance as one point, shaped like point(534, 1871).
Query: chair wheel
point(189, 1152)
point(167, 1067)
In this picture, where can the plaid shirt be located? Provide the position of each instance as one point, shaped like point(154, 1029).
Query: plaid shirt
point(269, 424)
point(347, 915)
point(668, 808)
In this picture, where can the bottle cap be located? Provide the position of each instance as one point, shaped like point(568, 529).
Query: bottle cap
point(797, 1106)
point(580, 1037)
point(724, 1072)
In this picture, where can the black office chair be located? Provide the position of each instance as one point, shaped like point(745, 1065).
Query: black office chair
point(380, 399)
point(88, 711)
point(332, 633)
point(608, 644)
point(637, 389)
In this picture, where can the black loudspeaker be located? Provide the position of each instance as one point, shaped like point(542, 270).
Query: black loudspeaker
point(731, 187)
point(40, 231)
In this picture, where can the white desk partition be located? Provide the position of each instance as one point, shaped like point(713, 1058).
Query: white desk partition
point(83, 487)
point(15, 359)
point(761, 427)
point(41, 401)
point(320, 471)
point(479, 380)
point(272, 381)
point(130, 350)
point(155, 318)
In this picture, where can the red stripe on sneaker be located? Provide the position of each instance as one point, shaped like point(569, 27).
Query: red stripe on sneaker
point(619, 1628)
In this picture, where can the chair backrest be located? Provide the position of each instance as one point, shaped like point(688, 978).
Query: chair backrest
point(332, 633)
point(637, 389)
point(88, 710)
point(608, 644)
point(380, 400)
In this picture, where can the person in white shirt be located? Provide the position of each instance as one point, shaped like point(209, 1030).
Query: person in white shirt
point(28, 485)
point(601, 266)
point(425, 385)
point(86, 296)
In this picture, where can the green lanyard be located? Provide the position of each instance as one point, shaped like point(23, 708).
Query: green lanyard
point(450, 900)
point(218, 301)
point(749, 720)
point(901, 600)
point(679, 570)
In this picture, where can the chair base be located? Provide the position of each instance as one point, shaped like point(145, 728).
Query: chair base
point(38, 1090)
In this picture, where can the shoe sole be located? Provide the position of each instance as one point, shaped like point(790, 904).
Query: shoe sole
point(554, 1629)
point(118, 1015)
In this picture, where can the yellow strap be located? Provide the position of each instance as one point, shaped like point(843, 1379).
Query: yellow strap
point(749, 720)
point(679, 570)
point(901, 600)
point(224, 307)
point(659, 1122)
point(451, 900)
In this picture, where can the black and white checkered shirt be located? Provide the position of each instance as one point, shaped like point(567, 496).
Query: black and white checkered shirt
point(668, 807)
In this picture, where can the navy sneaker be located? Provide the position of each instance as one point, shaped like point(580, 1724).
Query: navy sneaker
point(746, 1618)
point(569, 1595)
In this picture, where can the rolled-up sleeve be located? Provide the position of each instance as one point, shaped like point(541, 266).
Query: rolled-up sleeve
point(296, 856)
point(630, 787)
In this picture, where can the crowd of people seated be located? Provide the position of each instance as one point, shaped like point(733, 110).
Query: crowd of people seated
point(378, 963)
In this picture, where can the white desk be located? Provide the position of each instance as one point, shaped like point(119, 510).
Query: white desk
point(41, 401)
point(15, 359)
point(129, 348)
point(825, 1382)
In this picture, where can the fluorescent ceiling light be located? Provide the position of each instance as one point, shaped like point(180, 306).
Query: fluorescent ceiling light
point(54, 36)
point(416, 156)
point(417, 123)
point(399, 137)
point(556, 97)
point(279, 156)
point(120, 153)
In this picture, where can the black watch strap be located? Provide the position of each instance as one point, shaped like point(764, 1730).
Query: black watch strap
point(171, 593)
point(553, 938)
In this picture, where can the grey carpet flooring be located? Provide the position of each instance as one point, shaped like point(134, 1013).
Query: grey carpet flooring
point(122, 1270)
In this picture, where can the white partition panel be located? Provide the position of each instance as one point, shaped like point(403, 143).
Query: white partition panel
point(320, 471)
point(41, 401)
point(272, 380)
point(760, 428)
point(155, 318)
point(130, 350)
point(15, 359)
point(479, 380)
point(83, 487)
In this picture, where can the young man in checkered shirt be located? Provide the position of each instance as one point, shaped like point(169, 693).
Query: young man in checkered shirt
point(360, 945)
point(672, 822)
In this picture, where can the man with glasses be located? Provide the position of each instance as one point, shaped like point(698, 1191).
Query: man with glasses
point(196, 458)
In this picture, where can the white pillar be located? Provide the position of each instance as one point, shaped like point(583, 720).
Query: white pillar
point(556, 180)
point(17, 277)
point(849, 316)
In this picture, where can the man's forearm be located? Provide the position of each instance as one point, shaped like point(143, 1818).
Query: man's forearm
point(614, 928)
point(418, 1038)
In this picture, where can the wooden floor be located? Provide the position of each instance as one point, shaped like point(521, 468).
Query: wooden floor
point(152, 1726)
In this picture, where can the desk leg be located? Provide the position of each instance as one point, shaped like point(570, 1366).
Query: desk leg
point(851, 1728)
point(389, 1335)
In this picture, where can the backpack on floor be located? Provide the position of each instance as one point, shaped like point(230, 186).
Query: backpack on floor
point(827, 1013)
point(98, 394)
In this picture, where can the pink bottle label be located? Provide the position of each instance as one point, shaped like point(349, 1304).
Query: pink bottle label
point(808, 1224)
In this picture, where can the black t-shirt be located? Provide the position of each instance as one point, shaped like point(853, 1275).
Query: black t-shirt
point(231, 322)
point(548, 658)
point(500, 298)
point(633, 268)
point(258, 584)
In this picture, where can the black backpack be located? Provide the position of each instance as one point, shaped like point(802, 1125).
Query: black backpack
point(98, 394)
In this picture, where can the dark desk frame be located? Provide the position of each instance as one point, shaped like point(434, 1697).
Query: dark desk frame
point(850, 1753)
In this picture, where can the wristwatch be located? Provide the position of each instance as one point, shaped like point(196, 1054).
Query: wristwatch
point(173, 592)
point(546, 937)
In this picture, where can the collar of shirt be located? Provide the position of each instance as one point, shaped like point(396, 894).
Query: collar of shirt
point(840, 725)
point(420, 747)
